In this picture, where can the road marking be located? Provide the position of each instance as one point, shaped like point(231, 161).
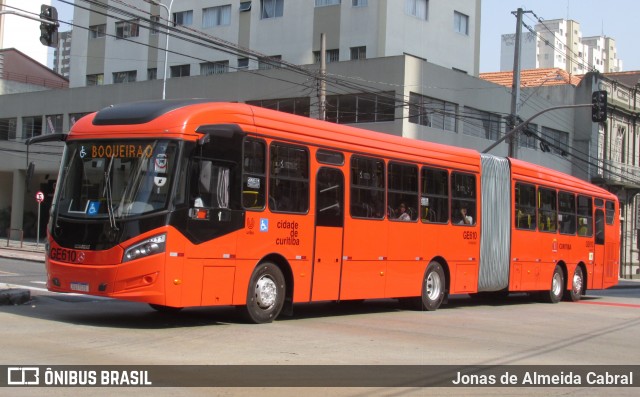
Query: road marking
point(611, 304)
point(29, 287)
point(3, 273)
point(26, 287)
point(39, 282)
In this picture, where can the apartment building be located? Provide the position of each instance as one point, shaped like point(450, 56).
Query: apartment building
point(559, 43)
point(62, 54)
point(443, 33)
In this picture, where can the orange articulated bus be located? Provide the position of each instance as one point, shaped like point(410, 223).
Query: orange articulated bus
point(191, 203)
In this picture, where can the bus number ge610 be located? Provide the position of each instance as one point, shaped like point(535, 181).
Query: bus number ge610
point(470, 235)
point(65, 255)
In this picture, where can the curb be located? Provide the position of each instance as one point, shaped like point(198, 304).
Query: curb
point(14, 296)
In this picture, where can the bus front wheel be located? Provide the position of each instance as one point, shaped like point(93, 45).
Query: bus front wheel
point(433, 287)
point(265, 297)
point(554, 294)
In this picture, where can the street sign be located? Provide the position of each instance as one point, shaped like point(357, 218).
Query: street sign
point(39, 197)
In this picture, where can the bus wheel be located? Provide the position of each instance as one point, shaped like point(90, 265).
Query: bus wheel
point(577, 285)
point(557, 287)
point(265, 297)
point(165, 309)
point(433, 287)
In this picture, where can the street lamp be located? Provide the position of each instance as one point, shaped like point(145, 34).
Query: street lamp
point(166, 45)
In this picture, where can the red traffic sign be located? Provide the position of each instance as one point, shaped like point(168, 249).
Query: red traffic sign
point(39, 197)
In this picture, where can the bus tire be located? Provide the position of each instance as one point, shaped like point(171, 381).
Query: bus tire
point(165, 309)
point(557, 287)
point(577, 286)
point(433, 287)
point(266, 293)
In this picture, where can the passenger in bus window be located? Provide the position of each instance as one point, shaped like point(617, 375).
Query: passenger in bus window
point(403, 215)
point(464, 218)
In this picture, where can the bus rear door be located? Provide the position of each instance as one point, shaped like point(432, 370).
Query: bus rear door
point(599, 254)
point(327, 261)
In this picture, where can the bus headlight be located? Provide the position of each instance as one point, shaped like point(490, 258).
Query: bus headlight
point(150, 246)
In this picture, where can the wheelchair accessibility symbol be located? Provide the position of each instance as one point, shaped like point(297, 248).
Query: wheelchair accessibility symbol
point(93, 208)
point(264, 225)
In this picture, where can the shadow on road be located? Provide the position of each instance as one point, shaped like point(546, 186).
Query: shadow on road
point(101, 312)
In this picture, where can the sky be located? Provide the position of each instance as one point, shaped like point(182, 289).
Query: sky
point(619, 19)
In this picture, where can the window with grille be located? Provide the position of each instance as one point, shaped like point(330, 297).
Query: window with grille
point(124, 77)
point(209, 68)
point(97, 31)
point(358, 53)
point(126, 29)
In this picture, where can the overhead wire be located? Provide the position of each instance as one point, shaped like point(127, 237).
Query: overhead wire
point(336, 84)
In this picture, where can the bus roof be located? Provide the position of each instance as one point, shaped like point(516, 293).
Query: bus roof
point(181, 119)
point(532, 173)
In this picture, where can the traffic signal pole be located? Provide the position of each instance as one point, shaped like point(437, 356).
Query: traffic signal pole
point(520, 126)
point(51, 24)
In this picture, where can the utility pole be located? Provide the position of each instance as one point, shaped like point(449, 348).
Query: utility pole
point(515, 87)
point(323, 75)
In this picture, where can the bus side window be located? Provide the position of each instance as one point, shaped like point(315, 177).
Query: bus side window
point(289, 178)
point(434, 200)
point(367, 188)
point(463, 199)
point(525, 216)
point(254, 185)
point(610, 211)
point(567, 213)
point(547, 210)
point(585, 216)
point(403, 191)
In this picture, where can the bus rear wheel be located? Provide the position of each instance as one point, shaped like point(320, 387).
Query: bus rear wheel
point(265, 296)
point(433, 287)
point(557, 287)
point(577, 286)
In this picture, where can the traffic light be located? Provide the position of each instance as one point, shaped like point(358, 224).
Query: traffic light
point(49, 31)
point(599, 106)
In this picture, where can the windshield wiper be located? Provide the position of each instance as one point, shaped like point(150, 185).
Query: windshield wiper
point(107, 193)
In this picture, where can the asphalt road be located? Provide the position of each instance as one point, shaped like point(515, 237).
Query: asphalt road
point(57, 329)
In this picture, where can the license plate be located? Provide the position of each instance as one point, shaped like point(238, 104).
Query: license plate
point(82, 287)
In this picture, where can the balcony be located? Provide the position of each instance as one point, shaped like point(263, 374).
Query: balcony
point(619, 174)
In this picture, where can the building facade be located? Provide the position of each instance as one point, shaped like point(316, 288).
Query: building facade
point(444, 33)
point(62, 55)
point(559, 43)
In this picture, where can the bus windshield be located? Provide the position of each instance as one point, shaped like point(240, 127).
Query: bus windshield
point(115, 179)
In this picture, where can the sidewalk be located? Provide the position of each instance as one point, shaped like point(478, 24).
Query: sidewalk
point(29, 251)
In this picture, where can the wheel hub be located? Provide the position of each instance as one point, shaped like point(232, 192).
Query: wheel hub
point(433, 286)
point(266, 292)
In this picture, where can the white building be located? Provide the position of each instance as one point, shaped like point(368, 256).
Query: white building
point(559, 43)
point(444, 33)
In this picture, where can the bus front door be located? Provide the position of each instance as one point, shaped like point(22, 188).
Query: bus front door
point(327, 261)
